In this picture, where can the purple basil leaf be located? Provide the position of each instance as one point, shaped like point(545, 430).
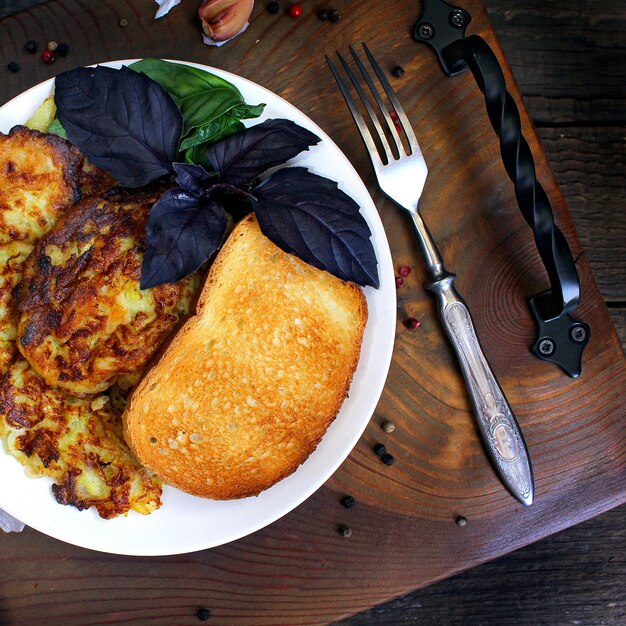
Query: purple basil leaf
point(239, 158)
point(183, 231)
point(309, 216)
point(123, 121)
point(193, 178)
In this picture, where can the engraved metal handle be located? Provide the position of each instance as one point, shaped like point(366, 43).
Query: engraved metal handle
point(498, 427)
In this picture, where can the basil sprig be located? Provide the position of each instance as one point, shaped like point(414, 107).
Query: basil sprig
point(138, 124)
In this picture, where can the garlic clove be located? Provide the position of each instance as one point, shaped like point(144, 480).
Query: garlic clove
point(224, 19)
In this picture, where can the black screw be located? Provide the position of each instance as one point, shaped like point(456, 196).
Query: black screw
point(458, 18)
point(426, 31)
point(546, 347)
point(578, 333)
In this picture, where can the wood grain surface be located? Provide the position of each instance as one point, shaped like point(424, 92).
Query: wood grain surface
point(299, 570)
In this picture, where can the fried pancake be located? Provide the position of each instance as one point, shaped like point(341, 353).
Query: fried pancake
point(247, 388)
point(84, 322)
point(41, 176)
point(76, 442)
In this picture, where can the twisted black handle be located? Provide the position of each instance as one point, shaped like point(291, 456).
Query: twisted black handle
point(561, 339)
point(520, 166)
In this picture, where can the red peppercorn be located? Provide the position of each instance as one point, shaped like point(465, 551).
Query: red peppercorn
point(393, 115)
point(47, 56)
point(399, 281)
point(413, 324)
point(295, 11)
point(404, 271)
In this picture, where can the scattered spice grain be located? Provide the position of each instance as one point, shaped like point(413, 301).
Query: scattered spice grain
point(379, 449)
point(203, 614)
point(413, 323)
point(334, 15)
point(461, 521)
point(348, 502)
point(295, 11)
point(388, 426)
point(273, 8)
point(345, 531)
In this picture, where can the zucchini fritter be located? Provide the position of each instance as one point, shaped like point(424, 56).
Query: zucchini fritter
point(41, 176)
point(84, 323)
point(77, 442)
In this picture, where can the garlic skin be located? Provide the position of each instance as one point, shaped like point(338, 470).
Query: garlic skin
point(224, 19)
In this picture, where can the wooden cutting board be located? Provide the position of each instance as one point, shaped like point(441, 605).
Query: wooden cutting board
point(300, 570)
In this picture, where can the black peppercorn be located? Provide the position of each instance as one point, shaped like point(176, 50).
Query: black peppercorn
point(461, 521)
point(380, 449)
point(123, 22)
point(12, 66)
point(31, 46)
point(62, 49)
point(273, 8)
point(203, 614)
point(348, 502)
point(387, 459)
point(334, 16)
point(322, 15)
point(397, 71)
point(345, 531)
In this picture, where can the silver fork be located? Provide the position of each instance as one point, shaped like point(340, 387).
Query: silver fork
point(402, 175)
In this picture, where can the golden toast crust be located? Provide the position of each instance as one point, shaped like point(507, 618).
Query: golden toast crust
point(250, 384)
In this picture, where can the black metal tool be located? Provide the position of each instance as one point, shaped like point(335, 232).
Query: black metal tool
point(561, 339)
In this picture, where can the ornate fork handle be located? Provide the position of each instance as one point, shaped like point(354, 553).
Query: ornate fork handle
point(497, 425)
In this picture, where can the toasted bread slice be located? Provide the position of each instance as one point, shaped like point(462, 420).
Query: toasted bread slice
point(250, 384)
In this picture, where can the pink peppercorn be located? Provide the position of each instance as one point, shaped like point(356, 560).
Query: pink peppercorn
point(295, 11)
point(413, 324)
point(399, 281)
point(404, 271)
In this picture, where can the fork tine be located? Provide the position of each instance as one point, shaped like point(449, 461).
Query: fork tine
point(354, 110)
point(381, 105)
point(366, 101)
point(391, 94)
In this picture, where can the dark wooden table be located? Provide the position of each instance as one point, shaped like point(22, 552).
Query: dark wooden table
point(569, 59)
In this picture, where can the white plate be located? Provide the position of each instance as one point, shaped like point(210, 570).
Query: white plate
point(185, 523)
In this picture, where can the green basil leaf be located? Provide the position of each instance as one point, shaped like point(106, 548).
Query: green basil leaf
point(204, 107)
point(246, 111)
point(181, 81)
point(218, 128)
point(55, 128)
